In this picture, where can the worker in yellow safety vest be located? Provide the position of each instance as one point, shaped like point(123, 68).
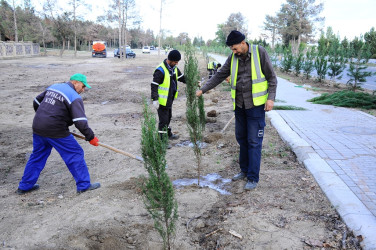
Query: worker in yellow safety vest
point(164, 90)
point(213, 67)
point(253, 90)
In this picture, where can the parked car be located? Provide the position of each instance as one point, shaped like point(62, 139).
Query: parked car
point(146, 49)
point(129, 53)
point(152, 48)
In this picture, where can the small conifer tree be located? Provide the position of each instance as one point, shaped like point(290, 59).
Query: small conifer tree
point(287, 60)
point(321, 62)
point(195, 106)
point(308, 64)
point(298, 61)
point(337, 61)
point(360, 54)
point(158, 190)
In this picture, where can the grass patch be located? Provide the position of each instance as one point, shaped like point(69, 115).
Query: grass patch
point(347, 99)
point(287, 107)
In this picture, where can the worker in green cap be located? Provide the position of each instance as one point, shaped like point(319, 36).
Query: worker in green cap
point(57, 108)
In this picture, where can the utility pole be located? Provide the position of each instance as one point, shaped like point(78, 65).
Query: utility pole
point(160, 30)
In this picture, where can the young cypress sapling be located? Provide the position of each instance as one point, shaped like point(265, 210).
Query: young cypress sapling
point(195, 106)
point(158, 190)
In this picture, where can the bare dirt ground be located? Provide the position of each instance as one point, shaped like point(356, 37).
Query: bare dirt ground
point(286, 211)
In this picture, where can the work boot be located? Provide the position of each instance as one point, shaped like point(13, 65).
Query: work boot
point(250, 185)
point(92, 187)
point(238, 176)
point(173, 137)
point(20, 191)
point(169, 146)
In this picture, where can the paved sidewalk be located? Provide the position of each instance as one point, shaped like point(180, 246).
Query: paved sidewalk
point(338, 146)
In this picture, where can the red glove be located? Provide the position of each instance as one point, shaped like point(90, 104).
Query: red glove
point(94, 141)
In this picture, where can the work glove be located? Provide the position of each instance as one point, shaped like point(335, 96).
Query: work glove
point(94, 141)
point(156, 104)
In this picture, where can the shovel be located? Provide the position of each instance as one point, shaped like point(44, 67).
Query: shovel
point(112, 148)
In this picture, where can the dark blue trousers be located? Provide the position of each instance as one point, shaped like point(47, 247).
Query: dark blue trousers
point(249, 132)
point(69, 150)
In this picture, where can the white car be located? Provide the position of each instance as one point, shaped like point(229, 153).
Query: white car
point(146, 49)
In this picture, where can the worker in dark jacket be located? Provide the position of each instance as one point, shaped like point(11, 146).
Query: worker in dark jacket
point(57, 108)
point(253, 91)
point(164, 89)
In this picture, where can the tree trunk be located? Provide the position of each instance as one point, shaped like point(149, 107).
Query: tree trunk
point(15, 23)
point(119, 6)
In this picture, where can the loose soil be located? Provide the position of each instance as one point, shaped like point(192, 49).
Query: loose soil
point(286, 211)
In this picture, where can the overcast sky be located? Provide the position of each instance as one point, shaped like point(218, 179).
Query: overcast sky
point(348, 18)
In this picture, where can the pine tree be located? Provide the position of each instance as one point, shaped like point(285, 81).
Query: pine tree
point(308, 64)
point(321, 62)
point(336, 59)
point(195, 106)
point(360, 55)
point(298, 61)
point(157, 189)
point(287, 61)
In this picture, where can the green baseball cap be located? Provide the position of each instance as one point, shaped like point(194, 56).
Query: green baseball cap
point(80, 78)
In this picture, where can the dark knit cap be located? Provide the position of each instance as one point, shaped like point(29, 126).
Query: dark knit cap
point(234, 37)
point(174, 55)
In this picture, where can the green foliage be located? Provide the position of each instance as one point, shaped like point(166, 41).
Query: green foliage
point(308, 63)
point(287, 60)
point(321, 62)
point(370, 39)
point(287, 107)
point(157, 189)
point(336, 59)
point(195, 106)
point(298, 62)
point(360, 53)
point(347, 98)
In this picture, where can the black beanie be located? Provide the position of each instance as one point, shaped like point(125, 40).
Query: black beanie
point(234, 37)
point(174, 55)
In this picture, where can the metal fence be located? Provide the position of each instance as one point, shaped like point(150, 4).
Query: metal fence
point(18, 49)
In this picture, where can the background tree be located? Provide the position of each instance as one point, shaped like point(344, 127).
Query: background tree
point(370, 39)
point(287, 60)
point(158, 191)
point(195, 105)
point(236, 21)
point(360, 54)
point(321, 62)
point(271, 25)
point(63, 30)
point(297, 19)
point(298, 60)
point(6, 21)
point(308, 64)
point(336, 59)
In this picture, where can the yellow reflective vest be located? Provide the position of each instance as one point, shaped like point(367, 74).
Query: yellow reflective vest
point(211, 65)
point(164, 88)
point(259, 83)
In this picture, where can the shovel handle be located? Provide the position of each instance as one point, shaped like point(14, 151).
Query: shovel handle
point(112, 148)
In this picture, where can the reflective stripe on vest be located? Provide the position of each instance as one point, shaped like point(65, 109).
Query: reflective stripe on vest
point(259, 83)
point(164, 88)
